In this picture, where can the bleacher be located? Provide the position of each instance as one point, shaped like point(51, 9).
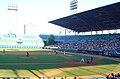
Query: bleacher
point(20, 41)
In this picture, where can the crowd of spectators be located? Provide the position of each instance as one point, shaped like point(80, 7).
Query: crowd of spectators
point(100, 45)
point(113, 76)
point(106, 45)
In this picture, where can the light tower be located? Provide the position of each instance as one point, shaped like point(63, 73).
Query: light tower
point(24, 28)
point(73, 6)
point(12, 10)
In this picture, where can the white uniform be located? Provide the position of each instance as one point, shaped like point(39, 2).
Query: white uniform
point(82, 60)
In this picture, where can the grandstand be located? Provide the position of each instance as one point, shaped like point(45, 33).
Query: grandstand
point(97, 44)
point(99, 19)
point(20, 41)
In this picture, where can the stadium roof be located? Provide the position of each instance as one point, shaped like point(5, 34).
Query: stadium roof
point(103, 18)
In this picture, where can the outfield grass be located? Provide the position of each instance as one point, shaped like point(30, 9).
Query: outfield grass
point(90, 70)
point(34, 58)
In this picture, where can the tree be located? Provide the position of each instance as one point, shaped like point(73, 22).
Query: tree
point(51, 40)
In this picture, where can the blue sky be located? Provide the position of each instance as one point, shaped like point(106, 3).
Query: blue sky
point(36, 14)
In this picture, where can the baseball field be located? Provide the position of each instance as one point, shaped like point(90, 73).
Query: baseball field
point(39, 63)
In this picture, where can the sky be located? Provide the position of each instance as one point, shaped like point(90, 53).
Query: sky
point(35, 14)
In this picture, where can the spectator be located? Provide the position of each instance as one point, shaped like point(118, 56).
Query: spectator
point(108, 76)
point(113, 76)
point(75, 78)
point(65, 77)
point(8, 78)
point(62, 78)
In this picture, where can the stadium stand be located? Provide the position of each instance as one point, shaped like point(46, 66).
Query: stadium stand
point(98, 19)
point(105, 44)
point(20, 41)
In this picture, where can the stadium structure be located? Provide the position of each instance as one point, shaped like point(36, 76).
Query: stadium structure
point(98, 19)
point(20, 41)
point(64, 62)
point(103, 18)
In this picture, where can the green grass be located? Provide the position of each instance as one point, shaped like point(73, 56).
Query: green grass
point(36, 58)
point(13, 70)
point(78, 71)
point(34, 66)
point(107, 61)
point(90, 70)
point(15, 73)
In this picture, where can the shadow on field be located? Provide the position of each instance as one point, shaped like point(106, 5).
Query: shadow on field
point(34, 66)
point(37, 66)
point(15, 72)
